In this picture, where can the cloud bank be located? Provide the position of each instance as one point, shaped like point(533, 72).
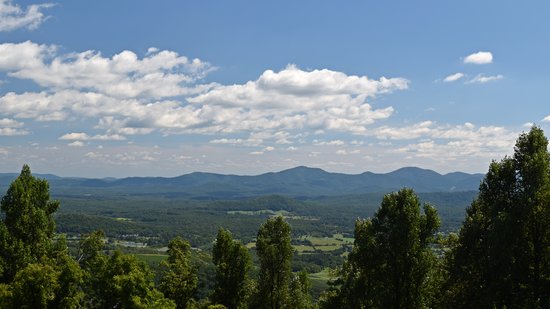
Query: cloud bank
point(163, 91)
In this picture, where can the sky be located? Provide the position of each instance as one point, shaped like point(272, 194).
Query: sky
point(164, 88)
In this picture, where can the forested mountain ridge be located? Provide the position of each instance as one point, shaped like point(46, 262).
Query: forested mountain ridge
point(298, 181)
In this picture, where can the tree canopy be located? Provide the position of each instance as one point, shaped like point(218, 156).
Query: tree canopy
point(502, 256)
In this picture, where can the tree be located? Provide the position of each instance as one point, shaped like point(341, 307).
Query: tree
point(391, 261)
point(232, 262)
point(502, 256)
point(93, 262)
point(34, 286)
point(127, 283)
point(28, 226)
point(275, 252)
point(69, 292)
point(299, 292)
point(179, 279)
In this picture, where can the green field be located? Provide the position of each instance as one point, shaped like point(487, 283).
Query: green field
point(319, 281)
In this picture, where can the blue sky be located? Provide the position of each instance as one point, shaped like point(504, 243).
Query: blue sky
point(121, 88)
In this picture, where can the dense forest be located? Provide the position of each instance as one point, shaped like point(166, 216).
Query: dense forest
point(499, 257)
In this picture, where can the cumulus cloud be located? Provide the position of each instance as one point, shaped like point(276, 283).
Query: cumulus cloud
point(336, 142)
point(482, 79)
point(159, 74)
point(86, 137)
point(453, 77)
point(129, 95)
point(12, 16)
point(12, 132)
point(11, 127)
point(430, 129)
point(10, 123)
point(546, 119)
point(446, 142)
point(481, 57)
point(76, 144)
point(295, 99)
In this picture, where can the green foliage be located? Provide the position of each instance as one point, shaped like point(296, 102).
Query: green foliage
point(300, 297)
point(179, 279)
point(233, 263)
point(69, 293)
point(502, 256)
point(34, 286)
point(28, 226)
point(127, 282)
point(275, 253)
point(390, 263)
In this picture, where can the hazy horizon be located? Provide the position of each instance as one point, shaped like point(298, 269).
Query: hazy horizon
point(236, 174)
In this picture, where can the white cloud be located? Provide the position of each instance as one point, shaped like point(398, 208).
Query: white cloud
point(12, 132)
point(86, 137)
point(431, 130)
point(482, 79)
point(12, 16)
point(159, 74)
point(546, 119)
point(445, 143)
point(131, 96)
point(481, 57)
point(409, 132)
point(295, 99)
point(453, 77)
point(336, 142)
point(75, 136)
point(76, 144)
point(10, 123)
point(10, 127)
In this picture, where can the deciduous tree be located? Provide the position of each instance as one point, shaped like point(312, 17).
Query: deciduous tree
point(391, 260)
point(275, 253)
point(179, 279)
point(232, 262)
point(502, 257)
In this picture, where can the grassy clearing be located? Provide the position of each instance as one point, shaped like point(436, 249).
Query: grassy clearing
point(151, 258)
point(319, 281)
point(303, 248)
point(324, 244)
point(272, 213)
point(259, 212)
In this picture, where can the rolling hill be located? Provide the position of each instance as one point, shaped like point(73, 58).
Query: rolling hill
point(295, 182)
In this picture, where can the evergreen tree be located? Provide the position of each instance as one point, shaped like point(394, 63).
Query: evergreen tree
point(275, 252)
point(232, 262)
point(179, 280)
point(502, 256)
point(390, 262)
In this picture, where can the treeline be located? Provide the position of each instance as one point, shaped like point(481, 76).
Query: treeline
point(499, 258)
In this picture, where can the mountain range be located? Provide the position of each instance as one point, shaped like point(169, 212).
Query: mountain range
point(296, 182)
